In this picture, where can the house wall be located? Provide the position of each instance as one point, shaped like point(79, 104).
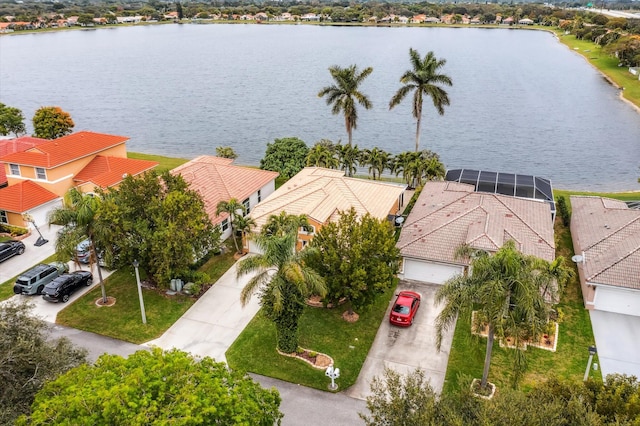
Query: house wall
point(15, 219)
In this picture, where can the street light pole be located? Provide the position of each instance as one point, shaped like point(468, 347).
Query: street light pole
point(592, 352)
point(144, 315)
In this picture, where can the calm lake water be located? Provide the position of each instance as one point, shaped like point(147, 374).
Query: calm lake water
point(521, 101)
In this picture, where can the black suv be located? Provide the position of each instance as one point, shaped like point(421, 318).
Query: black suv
point(60, 289)
point(10, 248)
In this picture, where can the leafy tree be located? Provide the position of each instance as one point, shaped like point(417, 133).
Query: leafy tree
point(506, 292)
point(85, 19)
point(179, 10)
point(235, 209)
point(424, 79)
point(11, 121)
point(344, 94)
point(155, 388)
point(286, 156)
point(226, 152)
point(617, 399)
point(79, 216)
point(51, 123)
point(323, 154)
point(157, 220)
point(286, 282)
point(28, 359)
point(357, 256)
point(377, 159)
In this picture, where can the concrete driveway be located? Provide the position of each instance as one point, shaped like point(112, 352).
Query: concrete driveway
point(618, 342)
point(405, 349)
point(32, 255)
point(214, 322)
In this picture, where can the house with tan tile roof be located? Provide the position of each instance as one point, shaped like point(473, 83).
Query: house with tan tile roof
point(84, 159)
point(606, 237)
point(218, 179)
point(448, 215)
point(322, 194)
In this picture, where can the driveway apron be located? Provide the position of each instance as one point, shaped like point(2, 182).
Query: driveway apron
point(214, 322)
point(618, 342)
point(405, 349)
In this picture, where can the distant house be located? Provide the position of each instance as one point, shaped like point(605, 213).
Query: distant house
point(84, 160)
point(432, 20)
point(311, 17)
point(525, 21)
point(321, 194)
point(261, 16)
point(448, 215)
point(218, 179)
point(508, 21)
point(606, 237)
point(418, 19)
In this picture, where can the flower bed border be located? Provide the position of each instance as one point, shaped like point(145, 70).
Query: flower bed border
point(539, 344)
point(295, 355)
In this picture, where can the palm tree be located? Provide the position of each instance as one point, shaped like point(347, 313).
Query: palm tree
point(244, 224)
point(79, 217)
point(424, 79)
point(283, 224)
point(285, 281)
point(506, 291)
point(377, 160)
point(323, 154)
point(349, 156)
point(234, 209)
point(344, 94)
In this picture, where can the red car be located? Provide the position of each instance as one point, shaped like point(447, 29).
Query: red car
point(405, 308)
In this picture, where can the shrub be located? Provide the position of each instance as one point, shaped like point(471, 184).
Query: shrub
point(13, 230)
point(563, 210)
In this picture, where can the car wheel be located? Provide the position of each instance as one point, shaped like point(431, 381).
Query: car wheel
point(17, 290)
point(89, 282)
point(21, 250)
point(65, 298)
point(39, 291)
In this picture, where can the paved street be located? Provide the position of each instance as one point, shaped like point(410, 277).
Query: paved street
point(405, 349)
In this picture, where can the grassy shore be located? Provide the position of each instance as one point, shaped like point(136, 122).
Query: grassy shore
point(166, 163)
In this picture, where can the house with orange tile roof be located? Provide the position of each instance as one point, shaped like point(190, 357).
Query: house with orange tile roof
point(9, 146)
point(448, 215)
point(218, 179)
point(85, 160)
point(322, 194)
point(606, 240)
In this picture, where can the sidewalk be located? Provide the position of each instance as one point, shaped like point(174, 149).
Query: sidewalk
point(214, 322)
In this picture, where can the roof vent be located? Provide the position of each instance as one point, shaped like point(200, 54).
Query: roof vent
point(606, 226)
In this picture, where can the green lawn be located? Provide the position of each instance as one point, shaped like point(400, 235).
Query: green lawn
point(166, 163)
point(123, 321)
point(624, 196)
point(321, 330)
point(569, 362)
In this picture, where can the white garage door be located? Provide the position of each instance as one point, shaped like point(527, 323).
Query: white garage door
point(40, 213)
point(617, 300)
point(429, 272)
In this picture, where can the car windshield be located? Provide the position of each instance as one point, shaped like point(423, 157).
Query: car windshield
point(401, 309)
point(22, 281)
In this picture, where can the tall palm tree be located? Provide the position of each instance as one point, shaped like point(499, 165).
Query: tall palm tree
point(244, 225)
point(234, 209)
point(506, 291)
point(344, 94)
point(79, 217)
point(424, 80)
point(285, 281)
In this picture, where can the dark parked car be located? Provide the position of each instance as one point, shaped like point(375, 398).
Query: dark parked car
point(405, 308)
point(10, 248)
point(60, 289)
point(34, 280)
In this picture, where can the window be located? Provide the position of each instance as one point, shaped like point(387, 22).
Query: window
point(259, 195)
point(14, 169)
point(224, 225)
point(41, 173)
point(245, 203)
point(3, 217)
point(308, 229)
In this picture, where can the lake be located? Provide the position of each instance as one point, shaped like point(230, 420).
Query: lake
point(521, 101)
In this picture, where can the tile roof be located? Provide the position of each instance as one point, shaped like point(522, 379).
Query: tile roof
point(23, 196)
point(65, 149)
point(109, 171)
point(449, 214)
point(608, 233)
point(217, 179)
point(322, 193)
point(9, 146)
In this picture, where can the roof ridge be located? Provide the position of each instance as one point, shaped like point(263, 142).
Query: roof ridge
point(501, 201)
point(620, 259)
point(445, 205)
point(611, 234)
